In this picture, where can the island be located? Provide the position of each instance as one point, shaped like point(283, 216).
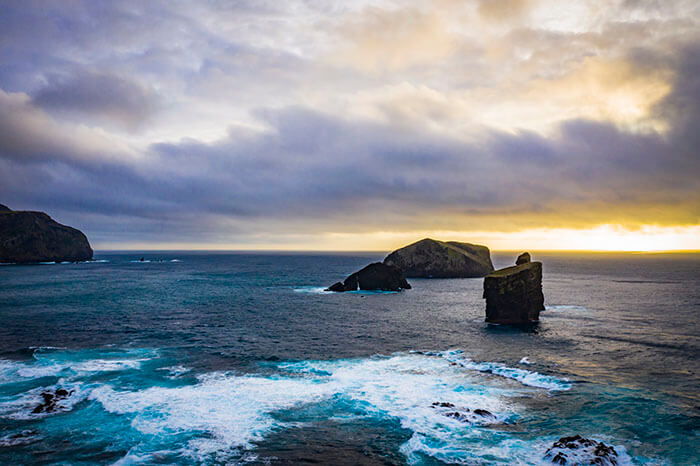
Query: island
point(376, 276)
point(27, 237)
point(429, 258)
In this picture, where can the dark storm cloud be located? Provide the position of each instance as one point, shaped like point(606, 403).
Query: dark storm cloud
point(313, 166)
point(108, 99)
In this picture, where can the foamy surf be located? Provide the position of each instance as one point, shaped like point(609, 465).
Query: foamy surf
point(321, 290)
point(565, 307)
point(525, 377)
point(312, 290)
point(452, 415)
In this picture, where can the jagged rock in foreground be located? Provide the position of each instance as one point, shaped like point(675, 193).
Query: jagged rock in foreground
point(35, 237)
point(429, 258)
point(514, 294)
point(579, 450)
point(376, 276)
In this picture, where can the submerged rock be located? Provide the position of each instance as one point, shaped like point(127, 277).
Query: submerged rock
point(50, 399)
point(464, 414)
point(27, 237)
point(21, 438)
point(429, 258)
point(514, 294)
point(579, 450)
point(376, 276)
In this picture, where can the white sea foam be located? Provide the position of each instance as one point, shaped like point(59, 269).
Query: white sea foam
point(20, 407)
point(525, 377)
point(565, 307)
point(322, 290)
point(237, 410)
point(24, 437)
point(175, 371)
point(312, 290)
point(48, 368)
point(234, 410)
point(228, 413)
point(48, 362)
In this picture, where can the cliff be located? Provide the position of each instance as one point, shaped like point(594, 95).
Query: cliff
point(27, 237)
point(429, 258)
point(514, 294)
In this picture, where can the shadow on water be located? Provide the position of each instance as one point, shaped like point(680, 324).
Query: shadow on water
point(513, 329)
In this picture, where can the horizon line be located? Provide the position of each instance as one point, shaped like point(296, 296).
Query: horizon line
point(601, 251)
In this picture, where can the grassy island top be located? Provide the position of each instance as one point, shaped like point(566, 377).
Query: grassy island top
point(513, 269)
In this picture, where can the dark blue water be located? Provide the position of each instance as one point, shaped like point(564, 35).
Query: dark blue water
point(226, 358)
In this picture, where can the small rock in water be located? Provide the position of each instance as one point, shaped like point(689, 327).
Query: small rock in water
point(50, 399)
point(579, 450)
point(442, 404)
point(464, 414)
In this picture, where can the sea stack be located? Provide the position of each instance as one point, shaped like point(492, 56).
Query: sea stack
point(514, 294)
point(27, 237)
point(376, 276)
point(429, 258)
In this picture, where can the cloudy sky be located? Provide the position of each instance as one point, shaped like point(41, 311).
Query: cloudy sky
point(321, 124)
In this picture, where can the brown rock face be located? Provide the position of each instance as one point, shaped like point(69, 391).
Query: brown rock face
point(27, 237)
point(514, 294)
point(376, 276)
point(523, 258)
point(429, 258)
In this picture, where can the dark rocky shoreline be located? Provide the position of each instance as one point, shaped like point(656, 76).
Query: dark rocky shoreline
point(29, 237)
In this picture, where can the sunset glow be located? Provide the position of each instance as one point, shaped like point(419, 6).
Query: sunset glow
point(521, 124)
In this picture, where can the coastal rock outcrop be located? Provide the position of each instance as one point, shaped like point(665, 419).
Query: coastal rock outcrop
point(429, 258)
point(376, 276)
point(464, 414)
point(514, 294)
point(579, 450)
point(27, 237)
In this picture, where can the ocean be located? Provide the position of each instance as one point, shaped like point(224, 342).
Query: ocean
point(229, 358)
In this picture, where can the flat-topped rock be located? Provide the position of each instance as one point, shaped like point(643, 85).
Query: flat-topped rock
point(429, 258)
point(376, 276)
point(514, 294)
point(27, 237)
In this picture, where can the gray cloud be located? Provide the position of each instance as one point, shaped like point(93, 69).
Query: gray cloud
point(100, 98)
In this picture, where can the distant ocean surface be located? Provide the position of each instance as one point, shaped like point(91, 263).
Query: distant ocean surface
point(212, 358)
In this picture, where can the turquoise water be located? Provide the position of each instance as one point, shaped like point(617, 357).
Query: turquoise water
point(242, 358)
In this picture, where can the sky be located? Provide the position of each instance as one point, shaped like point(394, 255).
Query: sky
point(363, 125)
